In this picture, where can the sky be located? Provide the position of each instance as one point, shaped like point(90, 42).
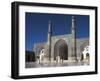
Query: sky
point(36, 27)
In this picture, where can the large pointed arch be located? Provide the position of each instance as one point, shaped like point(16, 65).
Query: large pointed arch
point(61, 49)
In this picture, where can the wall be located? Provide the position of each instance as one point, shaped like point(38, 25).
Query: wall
point(5, 40)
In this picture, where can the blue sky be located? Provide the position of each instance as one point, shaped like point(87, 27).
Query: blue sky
point(36, 26)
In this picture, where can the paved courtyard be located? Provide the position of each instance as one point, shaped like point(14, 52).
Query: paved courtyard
point(53, 64)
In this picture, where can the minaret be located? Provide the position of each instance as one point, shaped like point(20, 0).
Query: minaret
point(49, 38)
point(74, 55)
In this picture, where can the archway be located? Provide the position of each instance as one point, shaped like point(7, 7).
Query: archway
point(84, 49)
point(61, 49)
point(87, 56)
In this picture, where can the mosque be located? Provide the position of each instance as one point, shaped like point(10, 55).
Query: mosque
point(61, 47)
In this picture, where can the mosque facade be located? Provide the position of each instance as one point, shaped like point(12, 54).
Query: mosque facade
point(67, 47)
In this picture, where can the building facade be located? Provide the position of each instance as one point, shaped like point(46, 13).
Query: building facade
point(66, 47)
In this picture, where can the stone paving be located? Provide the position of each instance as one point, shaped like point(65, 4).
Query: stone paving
point(54, 64)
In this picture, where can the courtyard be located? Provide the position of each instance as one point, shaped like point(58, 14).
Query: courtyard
point(55, 64)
